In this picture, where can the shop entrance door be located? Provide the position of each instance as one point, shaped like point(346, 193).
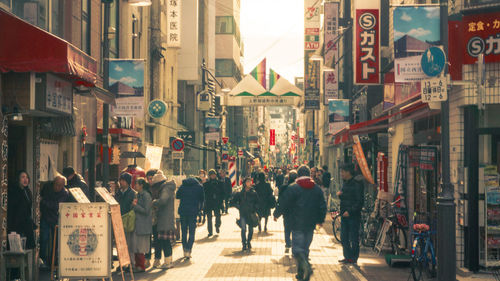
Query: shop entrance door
point(16, 151)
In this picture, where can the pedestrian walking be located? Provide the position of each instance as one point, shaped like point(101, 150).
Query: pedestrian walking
point(351, 203)
point(228, 190)
point(247, 203)
point(142, 206)
point(280, 210)
point(307, 208)
point(154, 237)
point(125, 197)
point(214, 195)
point(163, 191)
point(267, 200)
point(191, 198)
point(202, 176)
point(326, 180)
point(280, 178)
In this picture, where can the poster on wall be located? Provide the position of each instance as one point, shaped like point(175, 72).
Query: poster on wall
point(416, 29)
point(48, 161)
point(212, 129)
point(153, 157)
point(84, 240)
point(367, 42)
point(126, 81)
point(338, 115)
point(311, 82)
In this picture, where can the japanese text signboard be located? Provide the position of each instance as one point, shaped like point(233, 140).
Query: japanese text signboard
point(311, 68)
point(367, 42)
point(126, 81)
point(331, 51)
point(311, 82)
point(434, 89)
point(84, 240)
point(272, 137)
point(482, 35)
point(311, 24)
point(174, 23)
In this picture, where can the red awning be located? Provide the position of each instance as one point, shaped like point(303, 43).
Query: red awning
point(370, 126)
point(27, 48)
point(122, 132)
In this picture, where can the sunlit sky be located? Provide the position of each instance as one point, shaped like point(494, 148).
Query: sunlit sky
point(274, 29)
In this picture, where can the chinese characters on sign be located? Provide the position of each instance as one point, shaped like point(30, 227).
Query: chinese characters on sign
point(367, 44)
point(174, 23)
point(482, 36)
point(59, 95)
point(272, 137)
point(331, 25)
point(126, 81)
point(434, 89)
point(257, 101)
point(84, 249)
point(311, 68)
point(311, 82)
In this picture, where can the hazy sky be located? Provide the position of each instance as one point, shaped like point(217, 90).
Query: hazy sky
point(274, 29)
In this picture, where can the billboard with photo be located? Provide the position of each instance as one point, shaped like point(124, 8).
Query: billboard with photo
point(126, 81)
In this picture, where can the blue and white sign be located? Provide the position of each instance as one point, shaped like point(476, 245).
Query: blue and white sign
point(157, 108)
point(433, 60)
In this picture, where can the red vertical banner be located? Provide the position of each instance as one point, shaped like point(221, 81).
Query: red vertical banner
point(367, 42)
point(360, 158)
point(272, 137)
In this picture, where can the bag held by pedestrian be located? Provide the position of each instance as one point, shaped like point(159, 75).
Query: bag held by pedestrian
point(128, 220)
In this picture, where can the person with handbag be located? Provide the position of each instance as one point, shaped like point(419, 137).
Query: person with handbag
point(143, 224)
point(125, 196)
point(247, 202)
point(163, 191)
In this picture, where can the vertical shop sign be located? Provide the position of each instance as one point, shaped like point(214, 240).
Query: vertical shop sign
point(367, 42)
point(338, 115)
point(174, 23)
point(212, 128)
point(272, 137)
point(311, 68)
point(126, 81)
point(382, 164)
point(361, 159)
point(416, 29)
point(331, 51)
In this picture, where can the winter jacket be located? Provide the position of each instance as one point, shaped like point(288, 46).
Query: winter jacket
point(280, 210)
point(49, 205)
point(246, 202)
point(191, 197)
point(226, 186)
point(78, 181)
point(306, 203)
point(326, 179)
point(19, 217)
point(280, 179)
point(125, 199)
point(143, 218)
point(352, 199)
point(266, 198)
point(214, 194)
point(164, 205)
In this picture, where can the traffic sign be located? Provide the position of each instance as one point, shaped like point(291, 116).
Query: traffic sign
point(225, 157)
point(177, 154)
point(225, 140)
point(177, 144)
point(434, 89)
point(157, 108)
point(433, 61)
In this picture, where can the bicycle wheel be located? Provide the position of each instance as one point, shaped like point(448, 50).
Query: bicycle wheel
point(398, 240)
point(370, 233)
point(418, 260)
point(336, 228)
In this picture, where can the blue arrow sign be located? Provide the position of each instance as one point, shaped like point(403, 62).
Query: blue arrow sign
point(433, 61)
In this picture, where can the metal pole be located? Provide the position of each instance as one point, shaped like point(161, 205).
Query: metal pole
point(203, 85)
point(105, 109)
point(313, 137)
point(446, 248)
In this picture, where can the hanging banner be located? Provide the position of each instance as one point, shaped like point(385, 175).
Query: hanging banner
point(126, 81)
point(331, 51)
point(153, 157)
point(174, 23)
point(272, 137)
point(331, 85)
point(382, 165)
point(360, 158)
point(212, 129)
point(311, 82)
point(367, 42)
point(311, 24)
point(338, 115)
point(84, 240)
point(415, 30)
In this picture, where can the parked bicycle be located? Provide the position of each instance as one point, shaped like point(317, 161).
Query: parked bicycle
point(423, 264)
point(365, 221)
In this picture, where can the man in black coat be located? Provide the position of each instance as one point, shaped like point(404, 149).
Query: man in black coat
point(351, 203)
point(228, 190)
point(307, 208)
point(214, 195)
point(280, 179)
point(76, 180)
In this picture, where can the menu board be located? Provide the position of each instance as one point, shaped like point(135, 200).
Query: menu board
point(121, 242)
point(78, 194)
point(106, 196)
point(84, 240)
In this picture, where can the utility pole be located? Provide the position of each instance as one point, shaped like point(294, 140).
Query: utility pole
point(203, 86)
point(447, 255)
point(105, 108)
point(347, 53)
point(313, 137)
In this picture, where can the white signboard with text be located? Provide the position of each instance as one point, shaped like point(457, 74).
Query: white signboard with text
point(434, 89)
point(174, 23)
point(84, 240)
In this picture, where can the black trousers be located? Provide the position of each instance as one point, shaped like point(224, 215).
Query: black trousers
point(212, 212)
point(349, 234)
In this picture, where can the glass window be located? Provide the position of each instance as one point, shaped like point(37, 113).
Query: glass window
point(34, 12)
point(136, 36)
point(113, 23)
point(224, 25)
point(5, 2)
point(86, 26)
point(224, 67)
point(56, 26)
